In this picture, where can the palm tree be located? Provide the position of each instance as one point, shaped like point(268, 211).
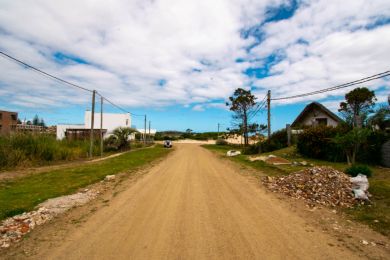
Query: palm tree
point(122, 135)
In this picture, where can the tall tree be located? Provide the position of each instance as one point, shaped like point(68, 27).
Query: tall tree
point(351, 142)
point(358, 104)
point(36, 120)
point(241, 103)
point(381, 118)
point(42, 122)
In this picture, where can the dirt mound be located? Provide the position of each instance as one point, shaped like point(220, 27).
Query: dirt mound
point(318, 185)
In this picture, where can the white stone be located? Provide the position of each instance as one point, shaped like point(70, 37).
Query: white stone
point(109, 178)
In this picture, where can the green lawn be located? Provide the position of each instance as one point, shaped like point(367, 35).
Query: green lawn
point(376, 215)
point(21, 195)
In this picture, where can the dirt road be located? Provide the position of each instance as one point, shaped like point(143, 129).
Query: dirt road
point(194, 206)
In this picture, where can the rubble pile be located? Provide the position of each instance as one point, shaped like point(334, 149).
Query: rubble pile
point(318, 185)
point(12, 229)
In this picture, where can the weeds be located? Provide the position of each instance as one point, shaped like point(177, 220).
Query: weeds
point(25, 149)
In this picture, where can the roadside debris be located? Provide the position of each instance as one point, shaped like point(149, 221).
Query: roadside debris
point(360, 186)
point(271, 159)
point(317, 185)
point(277, 161)
point(233, 153)
point(14, 228)
point(303, 163)
point(109, 178)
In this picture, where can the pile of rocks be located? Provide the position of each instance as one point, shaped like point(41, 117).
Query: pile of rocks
point(318, 185)
point(13, 229)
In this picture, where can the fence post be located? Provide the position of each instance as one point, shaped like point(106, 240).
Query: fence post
point(288, 129)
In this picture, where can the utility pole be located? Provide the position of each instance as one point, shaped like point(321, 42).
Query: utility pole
point(92, 122)
point(149, 132)
point(269, 114)
point(218, 132)
point(101, 126)
point(145, 131)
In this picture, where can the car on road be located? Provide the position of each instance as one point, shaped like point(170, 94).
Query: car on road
point(167, 143)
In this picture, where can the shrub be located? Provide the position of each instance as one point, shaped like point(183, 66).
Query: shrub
point(221, 142)
point(278, 140)
point(370, 151)
point(251, 149)
point(356, 169)
point(26, 149)
point(317, 142)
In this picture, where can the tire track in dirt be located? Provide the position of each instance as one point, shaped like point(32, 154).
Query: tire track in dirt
point(194, 206)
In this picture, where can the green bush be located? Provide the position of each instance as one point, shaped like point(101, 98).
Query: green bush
point(221, 142)
point(370, 151)
point(356, 169)
point(278, 140)
point(317, 142)
point(251, 149)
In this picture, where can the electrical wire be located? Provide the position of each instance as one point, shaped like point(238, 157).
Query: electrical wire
point(366, 79)
point(43, 72)
point(63, 81)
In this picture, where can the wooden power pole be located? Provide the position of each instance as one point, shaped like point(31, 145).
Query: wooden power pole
point(101, 126)
point(145, 131)
point(269, 114)
point(149, 138)
point(92, 122)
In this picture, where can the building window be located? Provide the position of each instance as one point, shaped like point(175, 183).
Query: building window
point(322, 121)
point(13, 117)
point(127, 121)
point(1, 116)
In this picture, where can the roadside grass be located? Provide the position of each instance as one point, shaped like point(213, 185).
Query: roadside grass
point(23, 194)
point(376, 215)
point(243, 159)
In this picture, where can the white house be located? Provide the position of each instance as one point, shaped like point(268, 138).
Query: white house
point(61, 129)
point(316, 114)
point(110, 122)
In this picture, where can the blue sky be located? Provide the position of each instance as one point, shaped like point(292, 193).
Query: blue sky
point(179, 61)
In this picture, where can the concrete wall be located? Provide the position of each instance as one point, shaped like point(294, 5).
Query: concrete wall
point(310, 118)
point(61, 129)
point(110, 121)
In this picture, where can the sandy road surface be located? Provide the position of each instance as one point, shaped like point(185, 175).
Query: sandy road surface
point(193, 206)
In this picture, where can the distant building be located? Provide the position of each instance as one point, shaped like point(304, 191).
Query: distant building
point(61, 129)
point(110, 121)
point(316, 114)
point(8, 121)
point(81, 131)
point(29, 128)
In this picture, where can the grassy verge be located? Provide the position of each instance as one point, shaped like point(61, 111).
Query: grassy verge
point(17, 196)
point(376, 215)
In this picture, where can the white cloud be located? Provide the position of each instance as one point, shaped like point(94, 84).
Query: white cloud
point(324, 44)
point(130, 46)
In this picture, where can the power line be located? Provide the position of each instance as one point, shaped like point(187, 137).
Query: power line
point(366, 79)
point(63, 81)
point(117, 106)
point(260, 106)
point(43, 72)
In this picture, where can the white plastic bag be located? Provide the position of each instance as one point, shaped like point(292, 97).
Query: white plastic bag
point(360, 186)
point(233, 153)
